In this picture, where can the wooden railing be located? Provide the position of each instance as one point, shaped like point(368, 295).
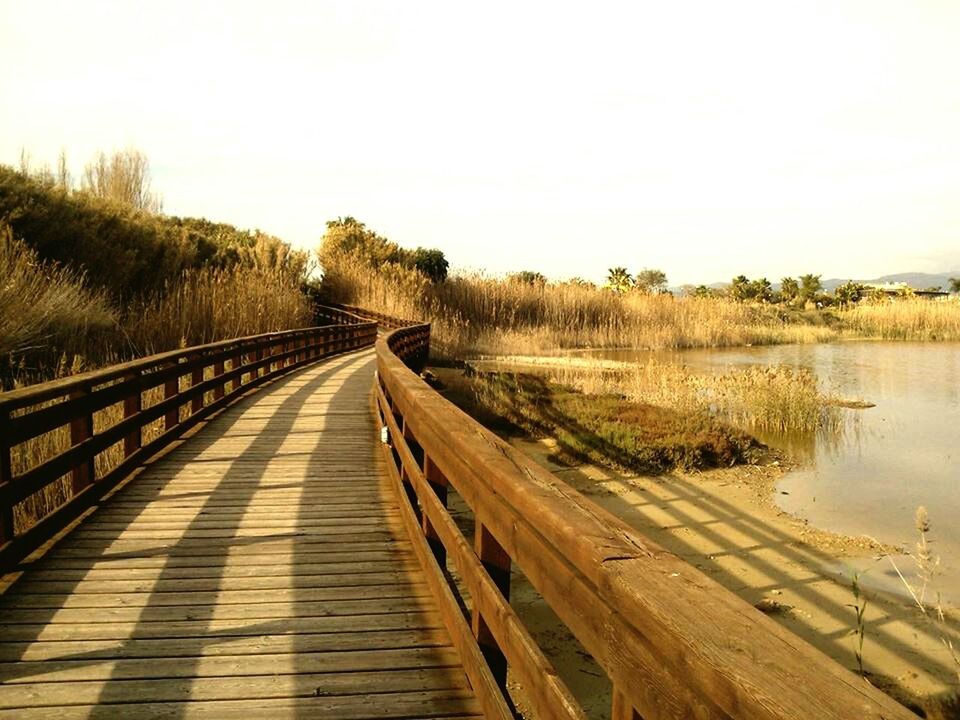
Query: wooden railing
point(154, 401)
point(346, 314)
point(673, 642)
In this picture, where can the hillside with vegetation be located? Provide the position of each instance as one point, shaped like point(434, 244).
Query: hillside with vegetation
point(94, 274)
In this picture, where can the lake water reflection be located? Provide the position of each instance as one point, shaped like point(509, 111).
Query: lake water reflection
point(902, 453)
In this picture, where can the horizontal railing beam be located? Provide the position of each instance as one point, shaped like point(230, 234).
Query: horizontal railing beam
point(673, 642)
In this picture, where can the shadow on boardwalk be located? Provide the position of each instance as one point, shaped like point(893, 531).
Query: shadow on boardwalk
point(259, 569)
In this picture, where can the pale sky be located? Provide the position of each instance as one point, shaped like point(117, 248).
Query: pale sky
point(706, 139)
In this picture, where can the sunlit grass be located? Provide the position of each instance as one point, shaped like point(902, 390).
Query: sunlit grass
point(477, 314)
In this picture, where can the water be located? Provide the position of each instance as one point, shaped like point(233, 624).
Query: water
point(902, 453)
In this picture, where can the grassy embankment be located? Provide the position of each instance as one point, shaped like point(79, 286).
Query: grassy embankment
point(86, 282)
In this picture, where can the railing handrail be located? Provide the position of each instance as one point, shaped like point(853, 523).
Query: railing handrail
point(674, 642)
point(40, 392)
point(387, 321)
point(73, 403)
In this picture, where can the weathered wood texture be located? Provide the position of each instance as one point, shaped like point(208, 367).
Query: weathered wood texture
point(73, 402)
point(674, 643)
point(258, 570)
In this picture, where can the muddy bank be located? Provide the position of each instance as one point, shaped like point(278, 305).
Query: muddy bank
point(725, 523)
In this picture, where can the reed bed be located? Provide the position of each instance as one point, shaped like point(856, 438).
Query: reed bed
point(906, 319)
point(775, 398)
point(43, 302)
point(216, 304)
point(474, 314)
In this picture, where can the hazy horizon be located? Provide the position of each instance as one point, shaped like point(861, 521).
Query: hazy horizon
point(767, 139)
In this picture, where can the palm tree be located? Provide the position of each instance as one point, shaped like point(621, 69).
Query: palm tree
point(618, 279)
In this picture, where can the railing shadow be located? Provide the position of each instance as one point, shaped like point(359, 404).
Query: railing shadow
point(271, 444)
point(702, 519)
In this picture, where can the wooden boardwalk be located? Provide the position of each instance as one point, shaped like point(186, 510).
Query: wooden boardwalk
point(259, 569)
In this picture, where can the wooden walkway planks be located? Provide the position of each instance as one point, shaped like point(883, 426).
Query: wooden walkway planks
point(259, 569)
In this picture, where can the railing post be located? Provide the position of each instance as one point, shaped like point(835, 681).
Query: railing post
point(6, 475)
point(81, 428)
point(496, 561)
point(132, 405)
point(235, 362)
point(404, 475)
point(439, 483)
point(196, 377)
point(219, 387)
point(171, 388)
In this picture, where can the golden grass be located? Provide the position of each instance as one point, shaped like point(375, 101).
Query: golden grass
point(906, 319)
point(42, 301)
point(777, 398)
point(213, 304)
point(476, 314)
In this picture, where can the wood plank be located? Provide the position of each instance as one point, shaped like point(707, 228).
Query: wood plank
point(247, 627)
point(63, 671)
point(263, 610)
point(304, 685)
point(236, 560)
point(453, 704)
point(191, 588)
point(216, 568)
point(212, 645)
point(363, 588)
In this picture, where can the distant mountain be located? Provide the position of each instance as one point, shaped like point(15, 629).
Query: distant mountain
point(918, 281)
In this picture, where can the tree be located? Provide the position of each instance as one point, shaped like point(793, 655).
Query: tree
point(651, 281)
point(700, 291)
point(528, 277)
point(124, 177)
point(789, 289)
point(618, 279)
point(850, 292)
point(810, 285)
point(431, 263)
point(761, 290)
point(348, 237)
point(740, 288)
point(955, 285)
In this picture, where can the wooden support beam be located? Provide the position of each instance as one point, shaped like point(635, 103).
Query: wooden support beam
point(217, 372)
point(6, 509)
point(171, 388)
point(196, 377)
point(81, 428)
point(496, 562)
point(439, 484)
point(132, 405)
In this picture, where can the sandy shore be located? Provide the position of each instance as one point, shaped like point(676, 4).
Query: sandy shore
point(725, 523)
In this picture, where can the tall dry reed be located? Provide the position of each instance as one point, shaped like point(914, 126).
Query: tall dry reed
point(44, 304)
point(477, 314)
point(906, 319)
point(776, 399)
point(216, 304)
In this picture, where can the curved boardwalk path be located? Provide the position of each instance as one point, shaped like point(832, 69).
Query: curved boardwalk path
point(259, 569)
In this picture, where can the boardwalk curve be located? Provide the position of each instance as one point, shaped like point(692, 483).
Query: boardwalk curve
point(256, 570)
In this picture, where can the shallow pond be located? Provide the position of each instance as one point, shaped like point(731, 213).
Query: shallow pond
point(900, 454)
